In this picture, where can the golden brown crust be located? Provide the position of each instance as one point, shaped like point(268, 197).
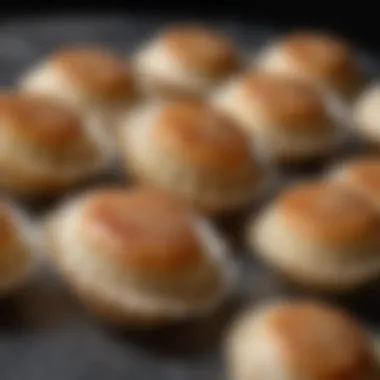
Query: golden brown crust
point(201, 49)
point(325, 57)
point(40, 120)
point(330, 213)
point(142, 230)
point(292, 103)
point(99, 73)
point(320, 342)
point(203, 136)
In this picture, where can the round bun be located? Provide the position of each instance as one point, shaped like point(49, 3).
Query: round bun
point(193, 151)
point(93, 81)
point(321, 235)
point(299, 340)
point(55, 148)
point(361, 175)
point(323, 59)
point(185, 61)
point(285, 115)
point(366, 116)
point(139, 257)
point(17, 244)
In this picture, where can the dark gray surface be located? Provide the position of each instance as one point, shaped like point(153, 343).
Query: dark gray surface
point(44, 333)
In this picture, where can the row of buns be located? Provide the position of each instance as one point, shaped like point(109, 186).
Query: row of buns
point(323, 234)
point(200, 132)
point(139, 258)
point(88, 108)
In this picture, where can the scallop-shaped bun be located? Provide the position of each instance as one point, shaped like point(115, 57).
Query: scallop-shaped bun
point(361, 175)
point(17, 248)
point(286, 116)
point(366, 116)
point(326, 60)
point(139, 256)
point(193, 151)
point(94, 81)
point(295, 340)
point(185, 61)
point(45, 146)
point(321, 235)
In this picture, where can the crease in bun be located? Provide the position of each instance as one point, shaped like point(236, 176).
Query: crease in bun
point(321, 235)
point(300, 340)
point(143, 252)
point(195, 152)
point(286, 116)
point(56, 147)
point(185, 61)
point(18, 248)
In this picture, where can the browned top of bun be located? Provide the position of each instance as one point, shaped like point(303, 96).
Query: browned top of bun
point(328, 58)
point(39, 120)
point(201, 135)
point(101, 74)
point(202, 49)
point(320, 342)
point(291, 103)
point(142, 230)
point(331, 213)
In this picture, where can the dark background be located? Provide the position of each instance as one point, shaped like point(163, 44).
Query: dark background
point(358, 20)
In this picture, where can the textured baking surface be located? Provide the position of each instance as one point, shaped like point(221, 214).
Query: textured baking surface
point(44, 334)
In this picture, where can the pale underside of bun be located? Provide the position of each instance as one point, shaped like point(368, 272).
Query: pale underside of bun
point(133, 301)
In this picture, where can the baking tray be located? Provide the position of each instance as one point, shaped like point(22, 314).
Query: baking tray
point(44, 333)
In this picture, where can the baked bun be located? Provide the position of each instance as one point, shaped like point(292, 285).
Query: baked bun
point(285, 115)
point(361, 175)
point(321, 235)
point(185, 61)
point(193, 151)
point(17, 245)
point(366, 116)
point(139, 257)
point(45, 146)
point(325, 60)
point(94, 81)
point(295, 340)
